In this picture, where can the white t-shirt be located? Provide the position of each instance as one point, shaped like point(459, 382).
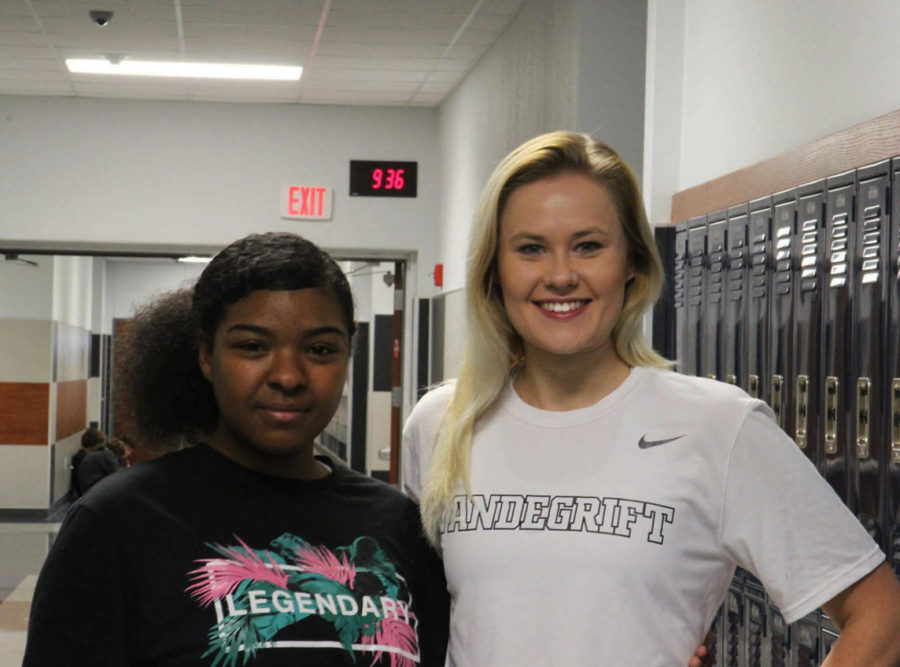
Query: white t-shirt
point(612, 532)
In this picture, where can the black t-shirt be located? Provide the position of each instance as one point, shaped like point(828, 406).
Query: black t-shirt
point(94, 466)
point(77, 458)
point(191, 559)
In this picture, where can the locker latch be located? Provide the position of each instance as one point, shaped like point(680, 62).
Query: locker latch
point(777, 383)
point(831, 408)
point(863, 386)
point(753, 386)
point(802, 410)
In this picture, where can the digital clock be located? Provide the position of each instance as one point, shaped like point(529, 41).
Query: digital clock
point(379, 178)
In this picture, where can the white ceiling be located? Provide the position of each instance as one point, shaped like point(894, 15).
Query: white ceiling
point(368, 52)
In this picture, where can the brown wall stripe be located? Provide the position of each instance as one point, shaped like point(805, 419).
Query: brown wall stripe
point(71, 408)
point(24, 413)
point(860, 145)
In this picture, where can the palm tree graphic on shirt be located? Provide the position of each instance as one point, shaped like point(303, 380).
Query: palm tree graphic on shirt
point(259, 593)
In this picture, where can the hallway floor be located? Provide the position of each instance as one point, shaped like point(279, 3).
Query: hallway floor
point(23, 548)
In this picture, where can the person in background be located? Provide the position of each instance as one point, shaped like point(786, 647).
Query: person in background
point(123, 447)
point(245, 548)
point(590, 504)
point(128, 445)
point(91, 438)
point(99, 461)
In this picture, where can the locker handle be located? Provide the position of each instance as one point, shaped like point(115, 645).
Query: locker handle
point(802, 410)
point(753, 386)
point(863, 387)
point(777, 383)
point(831, 408)
point(895, 420)
point(731, 378)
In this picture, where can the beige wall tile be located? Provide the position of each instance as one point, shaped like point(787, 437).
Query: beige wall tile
point(25, 350)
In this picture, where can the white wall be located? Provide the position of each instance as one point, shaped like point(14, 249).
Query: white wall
point(73, 290)
point(610, 69)
point(26, 349)
point(760, 77)
point(561, 64)
point(26, 291)
point(501, 103)
point(102, 173)
point(132, 283)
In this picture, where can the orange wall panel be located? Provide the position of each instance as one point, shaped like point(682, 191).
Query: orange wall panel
point(71, 408)
point(24, 413)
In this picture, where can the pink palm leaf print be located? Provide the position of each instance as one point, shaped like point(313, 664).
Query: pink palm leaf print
point(395, 632)
point(218, 577)
point(320, 560)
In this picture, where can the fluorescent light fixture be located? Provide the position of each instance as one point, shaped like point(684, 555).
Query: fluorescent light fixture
point(193, 259)
point(184, 69)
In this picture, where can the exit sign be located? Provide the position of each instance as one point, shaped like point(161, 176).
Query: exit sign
point(306, 202)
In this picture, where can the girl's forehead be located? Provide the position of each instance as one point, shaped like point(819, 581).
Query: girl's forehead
point(284, 310)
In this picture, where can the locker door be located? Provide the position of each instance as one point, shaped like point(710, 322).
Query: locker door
point(893, 473)
point(781, 324)
point(806, 646)
point(736, 293)
point(679, 295)
point(696, 270)
point(760, 238)
point(808, 286)
point(712, 361)
point(869, 342)
point(779, 645)
point(838, 459)
point(664, 331)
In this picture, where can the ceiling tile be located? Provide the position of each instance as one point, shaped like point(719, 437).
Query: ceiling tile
point(374, 53)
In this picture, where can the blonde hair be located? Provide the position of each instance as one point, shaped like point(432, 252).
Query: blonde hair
point(493, 347)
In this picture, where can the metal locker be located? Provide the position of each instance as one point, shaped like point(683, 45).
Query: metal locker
point(809, 244)
point(695, 269)
point(665, 332)
point(737, 262)
point(835, 379)
point(869, 342)
point(778, 648)
point(781, 319)
point(892, 476)
point(806, 647)
point(759, 241)
point(679, 295)
point(712, 359)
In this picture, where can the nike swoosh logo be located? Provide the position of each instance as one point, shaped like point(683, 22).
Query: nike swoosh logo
point(647, 444)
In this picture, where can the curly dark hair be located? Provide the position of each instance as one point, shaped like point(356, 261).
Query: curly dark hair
point(160, 384)
point(272, 261)
point(92, 437)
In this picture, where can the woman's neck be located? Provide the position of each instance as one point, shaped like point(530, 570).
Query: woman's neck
point(557, 383)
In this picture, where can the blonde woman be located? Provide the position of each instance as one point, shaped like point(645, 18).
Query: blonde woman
point(591, 505)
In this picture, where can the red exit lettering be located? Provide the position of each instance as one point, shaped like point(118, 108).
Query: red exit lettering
point(306, 200)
